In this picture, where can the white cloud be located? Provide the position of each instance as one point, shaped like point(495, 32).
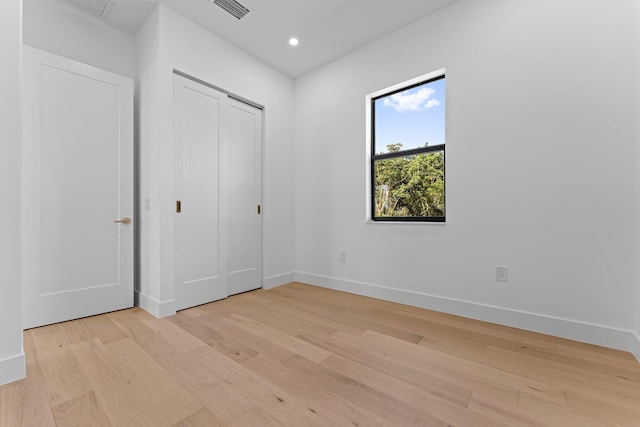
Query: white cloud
point(432, 103)
point(404, 101)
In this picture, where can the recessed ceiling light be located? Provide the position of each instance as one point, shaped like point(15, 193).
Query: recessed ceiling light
point(293, 41)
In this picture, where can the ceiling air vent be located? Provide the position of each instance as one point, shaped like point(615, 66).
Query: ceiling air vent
point(99, 8)
point(233, 7)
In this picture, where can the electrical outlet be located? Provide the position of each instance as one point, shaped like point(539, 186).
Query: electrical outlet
point(501, 273)
point(343, 257)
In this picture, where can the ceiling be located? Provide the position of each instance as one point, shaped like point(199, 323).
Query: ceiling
point(327, 29)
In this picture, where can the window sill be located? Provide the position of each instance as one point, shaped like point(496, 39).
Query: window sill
point(370, 221)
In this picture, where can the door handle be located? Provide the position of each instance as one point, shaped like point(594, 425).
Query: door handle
point(125, 221)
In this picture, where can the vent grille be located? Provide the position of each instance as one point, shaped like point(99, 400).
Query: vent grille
point(99, 8)
point(233, 7)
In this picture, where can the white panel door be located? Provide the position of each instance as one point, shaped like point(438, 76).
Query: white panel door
point(77, 182)
point(200, 226)
point(245, 193)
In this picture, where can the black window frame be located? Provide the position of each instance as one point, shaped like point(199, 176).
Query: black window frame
point(402, 153)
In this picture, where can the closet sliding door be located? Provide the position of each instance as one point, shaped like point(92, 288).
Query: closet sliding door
point(218, 187)
point(200, 220)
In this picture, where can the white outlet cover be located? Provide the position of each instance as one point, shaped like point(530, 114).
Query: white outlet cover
point(501, 273)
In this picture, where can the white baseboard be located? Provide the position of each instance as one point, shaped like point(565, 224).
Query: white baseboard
point(154, 307)
point(565, 328)
point(162, 309)
point(636, 345)
point(12, 369)
point(279, 280)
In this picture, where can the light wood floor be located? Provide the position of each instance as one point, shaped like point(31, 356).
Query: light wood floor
point(305, 356)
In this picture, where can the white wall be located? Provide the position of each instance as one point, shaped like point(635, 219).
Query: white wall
point(636, 338)
point(539, 168)
point(182, 45)
point(147, 105)
point(12, 361)
point(50, 25)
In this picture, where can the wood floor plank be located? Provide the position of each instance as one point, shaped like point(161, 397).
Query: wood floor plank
point(612, 358)
point(320, 319)
point(153, 382)
point(50, 340)
point(485, 328)
point(25, 403)
point(318, 400)
point(330, 316)
point(608, 407)
point(285, 319)
point(31, 355)
point(119, 395)
point(167, 413)
point(443, 366)
point(410, 395)
point(395, 412)
point(77, 331)
point(532, 412)
point(545, 411)
point(195, 373)
point(300, 355)
point(127, 323)
point(177, 338)
point(630, 373)
point(252, 418)
point(487, 379)
point(277, 403)
point(193, 312)
point(11, 407)
point(441, 341)
point(509, 414)
point(84, 410)
point(63, 377)
point(105, 329)
point(202, 418)
point(289, 342)
point(367, 322)
point(126, 379)
point(458, 339)
point(555, 372)
point(447, 390)
point(228, 338)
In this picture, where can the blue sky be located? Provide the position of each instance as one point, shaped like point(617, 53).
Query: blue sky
point(412, 117)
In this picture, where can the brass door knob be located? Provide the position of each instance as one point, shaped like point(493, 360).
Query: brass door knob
point(125, 221)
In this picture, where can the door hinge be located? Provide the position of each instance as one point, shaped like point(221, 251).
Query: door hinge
point(259, 209)
point(178, 206)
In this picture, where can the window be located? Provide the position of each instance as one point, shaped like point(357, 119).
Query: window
point(408, 152)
